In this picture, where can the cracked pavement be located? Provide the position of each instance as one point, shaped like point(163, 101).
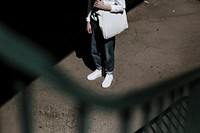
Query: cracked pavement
point(162, 42)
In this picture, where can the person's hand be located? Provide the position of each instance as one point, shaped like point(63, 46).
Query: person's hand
point(99, 4)
point(89, 28)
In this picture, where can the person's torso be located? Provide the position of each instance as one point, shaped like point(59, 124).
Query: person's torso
point(109, 2)
point(95, 11)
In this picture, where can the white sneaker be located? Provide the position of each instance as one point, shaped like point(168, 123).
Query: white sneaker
point(94, 75)
point(107, 81)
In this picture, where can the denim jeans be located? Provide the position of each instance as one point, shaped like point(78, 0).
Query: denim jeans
point(102, 50)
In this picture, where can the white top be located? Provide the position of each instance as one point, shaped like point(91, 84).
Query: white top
point(116, 6)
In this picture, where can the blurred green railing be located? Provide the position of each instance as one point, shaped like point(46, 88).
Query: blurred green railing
point(171, 119)
point(183, 92)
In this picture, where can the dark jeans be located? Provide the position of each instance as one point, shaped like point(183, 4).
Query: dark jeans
point(102, 50)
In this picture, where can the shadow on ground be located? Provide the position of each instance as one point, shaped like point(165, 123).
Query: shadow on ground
point(56, 26)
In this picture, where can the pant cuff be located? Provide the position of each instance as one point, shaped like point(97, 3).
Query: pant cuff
point(109, 72)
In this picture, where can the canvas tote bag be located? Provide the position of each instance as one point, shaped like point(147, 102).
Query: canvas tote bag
point(112, 24)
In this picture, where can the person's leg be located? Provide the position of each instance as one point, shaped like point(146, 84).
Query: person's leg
point(109, 48)
point(109, 62)
point(95, 52)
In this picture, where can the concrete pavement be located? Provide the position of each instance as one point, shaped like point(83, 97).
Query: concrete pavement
point(162, 41)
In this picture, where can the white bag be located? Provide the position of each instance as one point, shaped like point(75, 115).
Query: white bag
point(112, 24)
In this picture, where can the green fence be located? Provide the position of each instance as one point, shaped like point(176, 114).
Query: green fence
point(180, 115)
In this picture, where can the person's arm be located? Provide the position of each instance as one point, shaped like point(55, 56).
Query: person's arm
point(89, 27)
point(119, 6)
point(88, 16)
point(100, 5)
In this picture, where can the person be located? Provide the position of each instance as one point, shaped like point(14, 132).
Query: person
point(102, 50)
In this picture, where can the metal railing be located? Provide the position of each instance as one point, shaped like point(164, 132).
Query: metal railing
point(170, 120)
point(181, 113)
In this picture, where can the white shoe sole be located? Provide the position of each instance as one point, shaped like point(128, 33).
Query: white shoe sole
point(88, 78)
